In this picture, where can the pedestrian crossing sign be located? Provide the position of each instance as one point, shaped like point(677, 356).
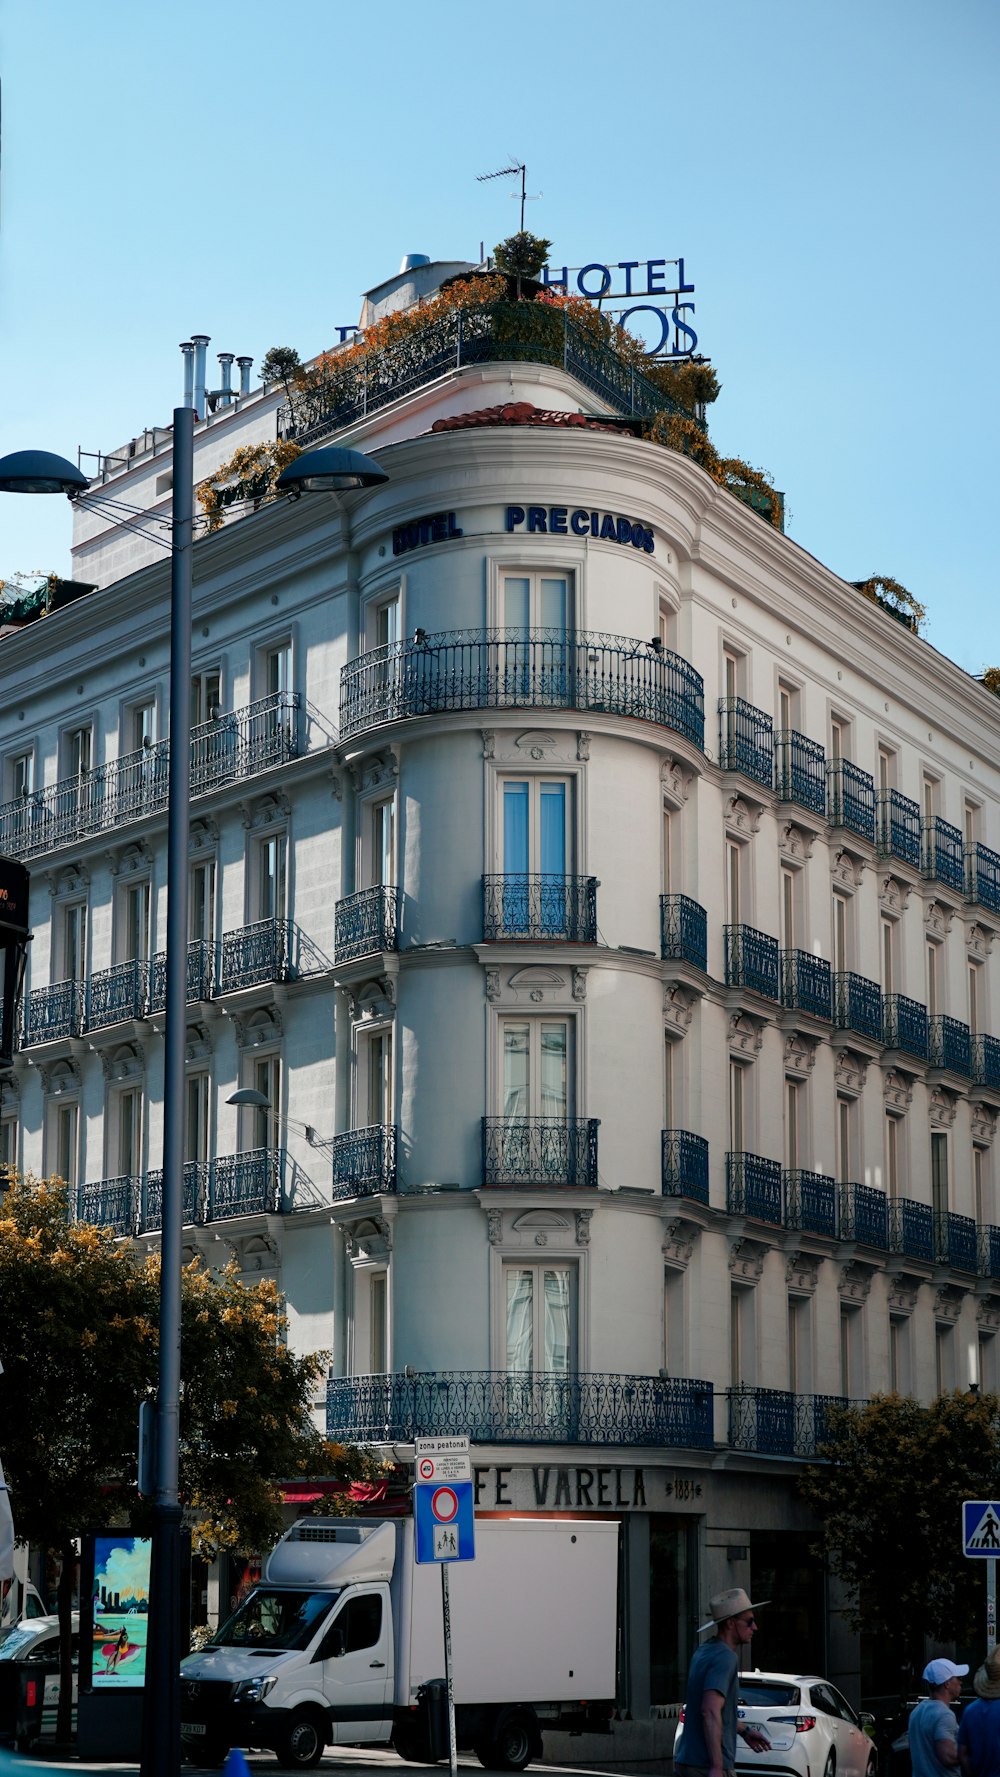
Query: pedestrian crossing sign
point(981, 1529)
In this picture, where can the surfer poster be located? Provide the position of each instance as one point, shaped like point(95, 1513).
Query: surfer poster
point(121, 1611)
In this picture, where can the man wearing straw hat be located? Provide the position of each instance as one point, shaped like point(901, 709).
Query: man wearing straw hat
point(708, 1737)
point(979, 1734)
point(933, 1730)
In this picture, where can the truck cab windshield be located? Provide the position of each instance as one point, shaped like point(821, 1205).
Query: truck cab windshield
point(272, 1619)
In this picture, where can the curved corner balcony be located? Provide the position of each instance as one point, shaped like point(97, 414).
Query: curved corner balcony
point(511, 1407)
point(539, 909)
point(540, 1151)
point(500, 669)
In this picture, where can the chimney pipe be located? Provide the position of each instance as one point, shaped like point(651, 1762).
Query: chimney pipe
point(226, 367)
point(244, 364)
point(201, 342)
point(187, 347)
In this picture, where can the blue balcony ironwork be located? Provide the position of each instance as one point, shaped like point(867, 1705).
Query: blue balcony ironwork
point(256, 953)
point(955, 1241)
point(522, 669)
point(200, 975)
point(197, 1174)
point(800, 770)
point(540, 1151)
point(542, 909)
point(911, 1228)
point(683, 931)
point(899, 828)
point(746, 740)
point(511, 1407)
point(982, 876)
point(56, 1011)
point(236, 743)
point(806, 983)
point(112, 1203)
point(942, 858)
point(857, 1005)
point(364, 1161)
point(684, 1165)
point(810, 1202)
point(904, 1026)
point(752, 961)
point(950, 1045)
point(246, 1184)
point(989, 1251)
point(986, 1063)
point(137, 784)
point(229, 1185)
point(119, 993)
point(773, 1423)
point(366, 923)
point(850, 798)
point(753, 1188)
point(864, 1215)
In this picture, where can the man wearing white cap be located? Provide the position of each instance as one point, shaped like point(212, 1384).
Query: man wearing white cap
point(708, 1737)
point(933, 1729)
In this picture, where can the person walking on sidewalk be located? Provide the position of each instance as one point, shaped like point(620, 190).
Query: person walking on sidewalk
point(708, 1737)
point(933, 1729)
point(979, 1733)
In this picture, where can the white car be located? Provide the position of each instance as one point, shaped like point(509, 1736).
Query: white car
point(813, 1730)
point(35, 1642)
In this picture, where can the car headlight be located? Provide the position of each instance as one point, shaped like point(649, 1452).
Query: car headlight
point(254, 1690)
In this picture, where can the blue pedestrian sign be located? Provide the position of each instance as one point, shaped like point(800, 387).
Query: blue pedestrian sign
point(444, 1519)
point(981, 1529)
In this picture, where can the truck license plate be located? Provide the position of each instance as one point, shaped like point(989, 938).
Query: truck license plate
point(192, 1727)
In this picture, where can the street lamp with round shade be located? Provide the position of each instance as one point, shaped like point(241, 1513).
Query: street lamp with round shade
point(331, 470)
point(40, 472)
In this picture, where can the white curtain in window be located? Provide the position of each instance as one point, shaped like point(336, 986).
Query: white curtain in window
point(520, 1316)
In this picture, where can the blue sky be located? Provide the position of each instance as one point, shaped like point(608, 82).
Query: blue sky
point(829, 173)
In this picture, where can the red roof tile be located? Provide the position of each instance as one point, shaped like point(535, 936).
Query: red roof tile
point(519, 413)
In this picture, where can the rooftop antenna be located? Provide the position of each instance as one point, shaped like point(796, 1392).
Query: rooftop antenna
point(506, 173)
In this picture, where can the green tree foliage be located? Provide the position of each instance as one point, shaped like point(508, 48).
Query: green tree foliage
point(888, 1497)
point(282, 364)
point(521, 255)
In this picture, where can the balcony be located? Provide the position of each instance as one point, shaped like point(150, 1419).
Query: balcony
point(200, 975)
point(810, 1202)
point(230, 1185)
point(800, 770)
point(112, 1203)
point(364, 1161)
point(522, 669)
point(899, 828)
point(806, 984)
point(683, 931)
point(753, 1188)
point(117, 994)
point(540, 909)
point(950, 1045)
point(746, 740)
point(504, 1407)
point(955, 1241)
point(850, 798)
point(254, 954)
point(864, 1216)
point(684, 1165)
point(941, 856)
point(911, 1228)
point(904, 1026)
point(53, 1012)
point(982, 877)
point(540, 1151)
point(857, 1005)
point(246, 1184)
point(194, 1207)
point(770, 1422)
point(366, 923)
point(989, 1251)
point(236, 744)
point(986, 1063)
point(752, 961)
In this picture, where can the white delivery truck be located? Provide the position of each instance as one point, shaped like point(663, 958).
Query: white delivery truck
point(341, 1643)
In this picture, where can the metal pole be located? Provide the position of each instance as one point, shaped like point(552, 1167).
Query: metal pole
point(161, 1752)
point(449, 1686)
point(991, 1605)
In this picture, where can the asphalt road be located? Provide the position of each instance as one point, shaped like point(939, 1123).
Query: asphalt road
point(352, 1762)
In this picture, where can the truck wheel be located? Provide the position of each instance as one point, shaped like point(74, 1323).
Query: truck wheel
point(512, 1744)
point(410, 1744)
point(302, 1741)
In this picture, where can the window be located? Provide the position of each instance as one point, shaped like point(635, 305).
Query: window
point(72, 941)
point(982, 1193)
point(851, 1352)
point(537, 845)
point(540, 1319)
point(277, 670)
point(376, 1095)
point(201, 902)
point(380, 866)
point(537, 601)
point(66, 1142)
point(133, 921)
point(21, 776)
point(899, 1353)
point(840, 738)
point(262, 1120)
point(742, 1338)
point(737, 1108)
point(666, 623)
point(734, 882)
point(140, 726)
point(78, 752)
point(789, 897)
point(929, 797)
point(970, 821)
point(206, 695)
point(939, 1172)
point(126, 1133)
point(888, 956)
point(669, 848)
point(886, 769)
point(196, 1118)
point(944, 1357)
point(799, 1344)
point(793, 1120)
point(8, 1143)
point(271, 877)
point(933, 981)
point(361, 1622)
point(788, 706)
point(537, 1069)
point(734, 673)
point(975, 997)
point(674, 1342)
point(987, 1374)
point(382, 622)
point(893, 1155)
point(841, 932)
point(845, 1142)
point(378, 1323)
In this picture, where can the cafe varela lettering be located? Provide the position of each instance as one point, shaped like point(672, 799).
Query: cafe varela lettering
point(559, 521)
point(571, 1486)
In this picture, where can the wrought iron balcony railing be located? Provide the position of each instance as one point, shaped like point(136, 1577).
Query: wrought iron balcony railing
point(522, 669)
point(800, 770)
point(366, 923)
point(364, 1161)
point(56, 1011)
point(911, 1228)
point(864, 1215)
point(986, 1062)
point(850, 798)
point(753, 1188)
point(752, 961)
point(904, 1026)
point(950, 1045)
point(255, 953)
point(119, 993)
point(899, 828)
point(246, 1184)
point(200, 975)
point(746, 740)
point(806, 983)
point(237, 744)
point(857, 1004)
point(989, 1251)
point(112, 1203)
point(955, 1241)
point(941, 853)
point(540, 1151)
point(512, 1407)
point(773, 1423)
point(542, 909)
point(683, 931)
point(810, 1201)
point(982, 876)
point(195, 1207)
point(684, 1160)
point(230, 1185)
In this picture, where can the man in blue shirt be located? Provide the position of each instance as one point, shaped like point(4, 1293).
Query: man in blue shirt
point(979, 1734)
point(708, 1737)
point(933, 1729)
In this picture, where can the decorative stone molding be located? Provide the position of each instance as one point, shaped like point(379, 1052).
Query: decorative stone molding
point(850, 1071)
point(937, 919)
point(846, 868)
point(492, 984)
point(59, 1079)
point(582, 745)
point(373, 1000)
point(746, 1260)
point(579, 984)
point(255, 1253)
point(795, 843)
point(124, 1065)
point(978, 941)
point(893, 896)
point(984, 1122)
point(855, 1282)
point(583, 1220)
point(370, 1239)
point(271, 810)
point(802, 1271)
point(675, 782)
point(902, 1294)
point(534, 982)
point(489, 743)
point(132, 860)
point(943, 1106)
point(800, 1055)
point(742, 820)
point(203, 834)
point(988, 1313)
point(678, 1242)
point(948, 1302)
point(897, 1090)
point(336, 785)
point(74, 880)
point(263, 1025)
point(378, 771)
point(746, 1034)
point(198, 1046)
point(678, 1008)
point(538, 743)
